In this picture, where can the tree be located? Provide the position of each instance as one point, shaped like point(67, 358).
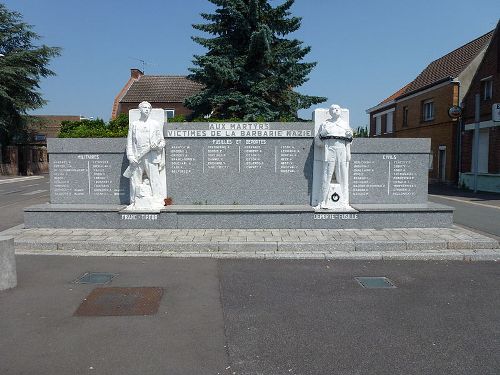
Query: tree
point(22, 65)
point(361, 132)
point(250, 69)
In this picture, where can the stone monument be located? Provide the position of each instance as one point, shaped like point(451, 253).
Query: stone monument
point(146, 155)
point(238, 175)
point(333, 152)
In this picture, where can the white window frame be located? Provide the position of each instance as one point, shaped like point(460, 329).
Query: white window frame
point(378, 125)
point(389, 123)
point(167, 110)
point(428, 110)
point(487, 88)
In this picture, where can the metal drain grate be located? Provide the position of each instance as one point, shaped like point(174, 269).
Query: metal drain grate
point(375, 282)
point(95, 278)
point(121, 302)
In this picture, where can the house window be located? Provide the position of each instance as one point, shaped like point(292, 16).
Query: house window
point(428, 110)
point(378, 125)
point(487, 88)
point(405, 117)
point(169, 113)
point(389, 122)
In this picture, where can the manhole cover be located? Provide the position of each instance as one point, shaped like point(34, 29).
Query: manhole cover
point(121, 301)
point(375, 282)
point(95, 278)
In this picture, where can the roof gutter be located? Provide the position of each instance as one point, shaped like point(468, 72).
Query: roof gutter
point(446, 79)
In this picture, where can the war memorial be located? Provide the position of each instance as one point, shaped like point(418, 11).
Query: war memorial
point(302, 175)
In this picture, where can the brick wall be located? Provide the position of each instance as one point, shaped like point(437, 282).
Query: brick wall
point(490, 67)
point(442, 130)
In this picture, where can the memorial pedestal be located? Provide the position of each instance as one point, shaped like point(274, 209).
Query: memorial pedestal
point(240, 175)
point(427, 215)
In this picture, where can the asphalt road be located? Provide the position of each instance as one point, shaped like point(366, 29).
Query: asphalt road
point(17, 194)
point(255, 317)
point(480, 212)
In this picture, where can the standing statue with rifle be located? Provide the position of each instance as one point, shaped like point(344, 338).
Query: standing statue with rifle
point(146, 155)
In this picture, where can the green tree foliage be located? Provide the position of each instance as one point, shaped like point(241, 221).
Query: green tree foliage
point(116, 128)
point(22, 66)
point(250, 69)
point(361, 132)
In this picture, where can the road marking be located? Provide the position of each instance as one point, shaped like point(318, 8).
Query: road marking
point(20, 179)
point(25, 186)
point(462, 201)
point(26, 200)
point(35, 192)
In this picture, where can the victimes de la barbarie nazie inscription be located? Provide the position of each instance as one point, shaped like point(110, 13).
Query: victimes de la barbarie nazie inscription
point(239, 130)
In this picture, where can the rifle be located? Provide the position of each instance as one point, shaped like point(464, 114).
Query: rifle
point(131, 167)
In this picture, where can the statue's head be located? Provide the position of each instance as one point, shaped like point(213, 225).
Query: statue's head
point(145, 108)
point(335, 111)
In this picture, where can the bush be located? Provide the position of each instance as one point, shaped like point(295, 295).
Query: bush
point(117, 128)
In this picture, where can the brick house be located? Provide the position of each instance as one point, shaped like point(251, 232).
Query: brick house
point(167, 92)
point(486, 85)
point(420, 109)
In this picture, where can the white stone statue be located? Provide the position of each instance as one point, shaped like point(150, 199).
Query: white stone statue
point(146, 155)
point(334, 138)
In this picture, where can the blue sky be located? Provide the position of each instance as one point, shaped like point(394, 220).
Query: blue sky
point(365, 50)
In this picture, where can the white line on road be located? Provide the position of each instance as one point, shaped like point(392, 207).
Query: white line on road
point(20, 179)
point(25, 186)
point(26, 200)
point(35, 192)
point(462, 201)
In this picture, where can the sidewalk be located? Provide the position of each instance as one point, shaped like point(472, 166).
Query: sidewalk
point(452, 192)
point(415, 243)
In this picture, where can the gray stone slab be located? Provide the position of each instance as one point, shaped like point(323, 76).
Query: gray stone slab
point(8, 274)
point(202, 171)
point(234, 218)
point(379, 245)
point(84, 145)
point(98, 246)
point(426, 244)
point(391, 146)
point(325, 247)
point(247, 247)
point(222, 169)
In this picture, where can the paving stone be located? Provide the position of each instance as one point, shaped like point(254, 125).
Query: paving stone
point(35, 245)
point(438, 255)
point(481, 255)
point(356, 255)
point(247, 247)
point(426, 245)
point(98, 246)
point(380, 245)
point(460, 244)
point(315, 247)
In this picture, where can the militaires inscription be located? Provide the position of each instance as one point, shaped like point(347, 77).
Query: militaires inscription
point(85, 177)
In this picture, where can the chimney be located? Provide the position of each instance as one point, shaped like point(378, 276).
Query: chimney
point(136, 73)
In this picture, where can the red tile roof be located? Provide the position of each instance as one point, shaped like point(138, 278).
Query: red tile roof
point(161, 89)
point(451, 64)
point(448, 66)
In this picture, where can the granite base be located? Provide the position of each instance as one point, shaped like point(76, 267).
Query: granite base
point(368, 216)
